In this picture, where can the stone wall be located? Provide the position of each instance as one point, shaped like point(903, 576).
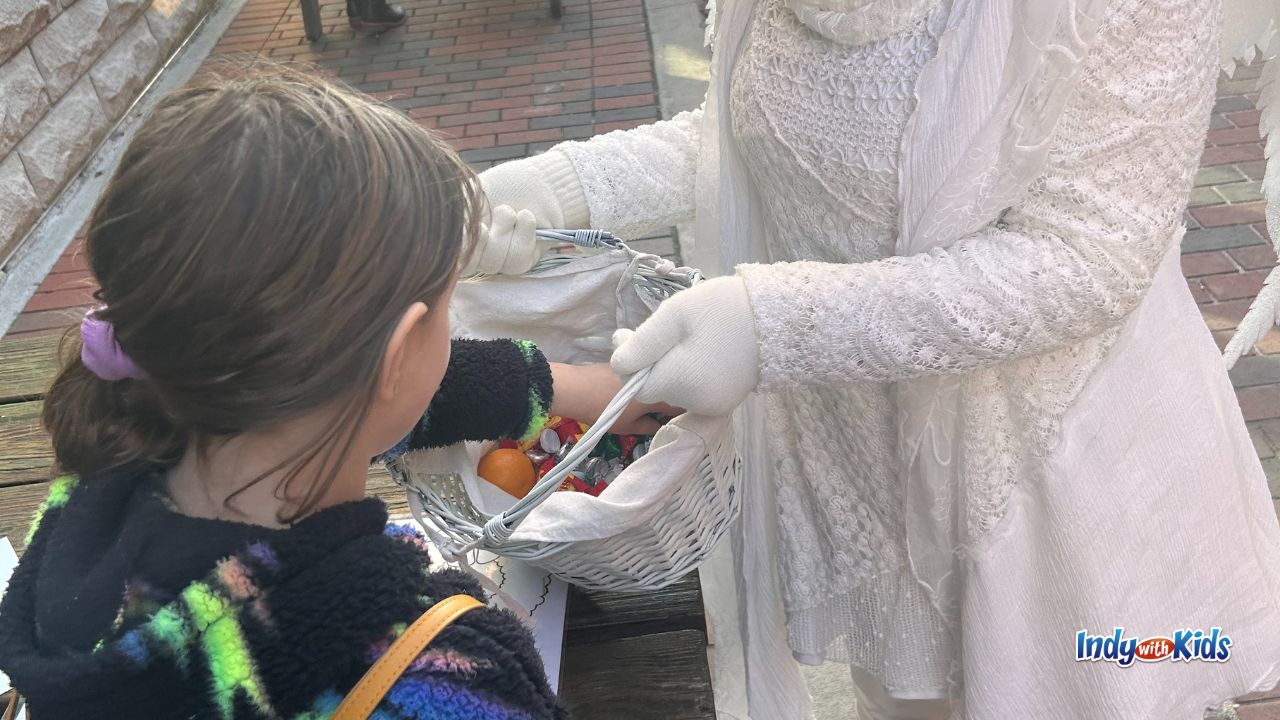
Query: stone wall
point(69, 69)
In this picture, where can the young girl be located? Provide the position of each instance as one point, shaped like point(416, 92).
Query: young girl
point(276, 257)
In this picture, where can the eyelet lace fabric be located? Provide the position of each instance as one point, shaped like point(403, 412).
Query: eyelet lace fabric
point(625, 192)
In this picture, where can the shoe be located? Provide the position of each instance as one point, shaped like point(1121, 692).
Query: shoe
point(374, 14)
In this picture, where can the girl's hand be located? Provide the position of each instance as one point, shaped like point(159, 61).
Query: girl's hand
point(581, 392)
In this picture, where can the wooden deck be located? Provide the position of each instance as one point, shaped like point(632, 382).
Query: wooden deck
point(640, 657)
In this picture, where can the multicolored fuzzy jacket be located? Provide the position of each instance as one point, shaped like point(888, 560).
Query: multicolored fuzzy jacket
point(123, 608)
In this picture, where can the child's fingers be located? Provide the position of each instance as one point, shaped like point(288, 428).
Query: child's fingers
point(643, 425)
point(665, 410)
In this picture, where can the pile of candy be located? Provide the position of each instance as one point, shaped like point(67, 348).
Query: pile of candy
point(517, 466)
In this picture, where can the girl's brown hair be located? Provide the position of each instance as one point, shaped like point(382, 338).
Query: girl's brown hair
point(262, 235)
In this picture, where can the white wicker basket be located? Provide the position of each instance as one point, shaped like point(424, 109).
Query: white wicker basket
point(655, 522)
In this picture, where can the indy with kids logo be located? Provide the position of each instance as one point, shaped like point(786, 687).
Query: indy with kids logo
point(1187, 644)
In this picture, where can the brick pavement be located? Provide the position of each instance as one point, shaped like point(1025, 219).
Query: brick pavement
point(500, 78)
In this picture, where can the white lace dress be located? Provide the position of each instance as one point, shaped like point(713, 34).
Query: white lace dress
point(819, 125)
point(1107, 488)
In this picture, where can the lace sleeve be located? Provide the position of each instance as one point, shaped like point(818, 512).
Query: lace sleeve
point(1070, 260)
point(639, 181)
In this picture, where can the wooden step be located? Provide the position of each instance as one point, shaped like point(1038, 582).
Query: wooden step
point(596, 616)
point(25, 453)
point(662, 676)
point(29, 364)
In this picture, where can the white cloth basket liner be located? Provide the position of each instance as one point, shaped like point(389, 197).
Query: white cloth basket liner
point(631, 500)
point(570, 311)
point(662, 515)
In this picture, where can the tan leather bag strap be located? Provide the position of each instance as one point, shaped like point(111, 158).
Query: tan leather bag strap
point(365, 696)
point(11, 708)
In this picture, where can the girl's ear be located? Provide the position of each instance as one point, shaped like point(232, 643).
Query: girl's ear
point(398, 349)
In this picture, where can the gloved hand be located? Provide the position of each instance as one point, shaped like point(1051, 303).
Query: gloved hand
point(703, 347)
point(546, 185)
point(508, 244)
point(520, 196)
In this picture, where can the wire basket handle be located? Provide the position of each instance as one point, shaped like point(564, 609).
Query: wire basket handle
point(500, 527)
point(581, 238)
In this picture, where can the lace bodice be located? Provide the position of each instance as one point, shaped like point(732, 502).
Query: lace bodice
point(820, 125)
point(1063, 266)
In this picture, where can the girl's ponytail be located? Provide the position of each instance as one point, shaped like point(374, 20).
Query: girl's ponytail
point(98, 424)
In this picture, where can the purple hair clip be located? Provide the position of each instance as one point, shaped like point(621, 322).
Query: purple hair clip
point(102, 354)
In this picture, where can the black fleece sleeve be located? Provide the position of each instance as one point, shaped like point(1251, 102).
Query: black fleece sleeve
point(492, 389)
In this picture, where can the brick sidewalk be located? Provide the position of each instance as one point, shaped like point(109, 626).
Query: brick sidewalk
point(500, 78)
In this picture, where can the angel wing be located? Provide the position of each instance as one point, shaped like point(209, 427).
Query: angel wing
point(1252, 29)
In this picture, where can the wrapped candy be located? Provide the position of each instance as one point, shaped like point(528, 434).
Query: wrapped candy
point(585, 485)
point(557, 438)
point(567, 429)
point(627, 444)
point(546, 466)
point(549, 441)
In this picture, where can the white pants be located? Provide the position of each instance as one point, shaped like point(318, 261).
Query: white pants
point(875, 703)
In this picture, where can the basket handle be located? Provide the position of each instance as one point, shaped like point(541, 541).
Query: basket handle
point(581, 238)
point(500, 527)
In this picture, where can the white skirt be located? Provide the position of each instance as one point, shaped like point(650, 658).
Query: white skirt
point(1156, 518)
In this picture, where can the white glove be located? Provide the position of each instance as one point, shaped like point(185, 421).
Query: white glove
point(546, 185)
point(703, 347)
point(508, 245)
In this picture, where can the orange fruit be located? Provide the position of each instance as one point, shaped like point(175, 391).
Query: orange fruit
point(510, 470)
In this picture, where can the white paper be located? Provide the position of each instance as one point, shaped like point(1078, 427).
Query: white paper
point(537, 593)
